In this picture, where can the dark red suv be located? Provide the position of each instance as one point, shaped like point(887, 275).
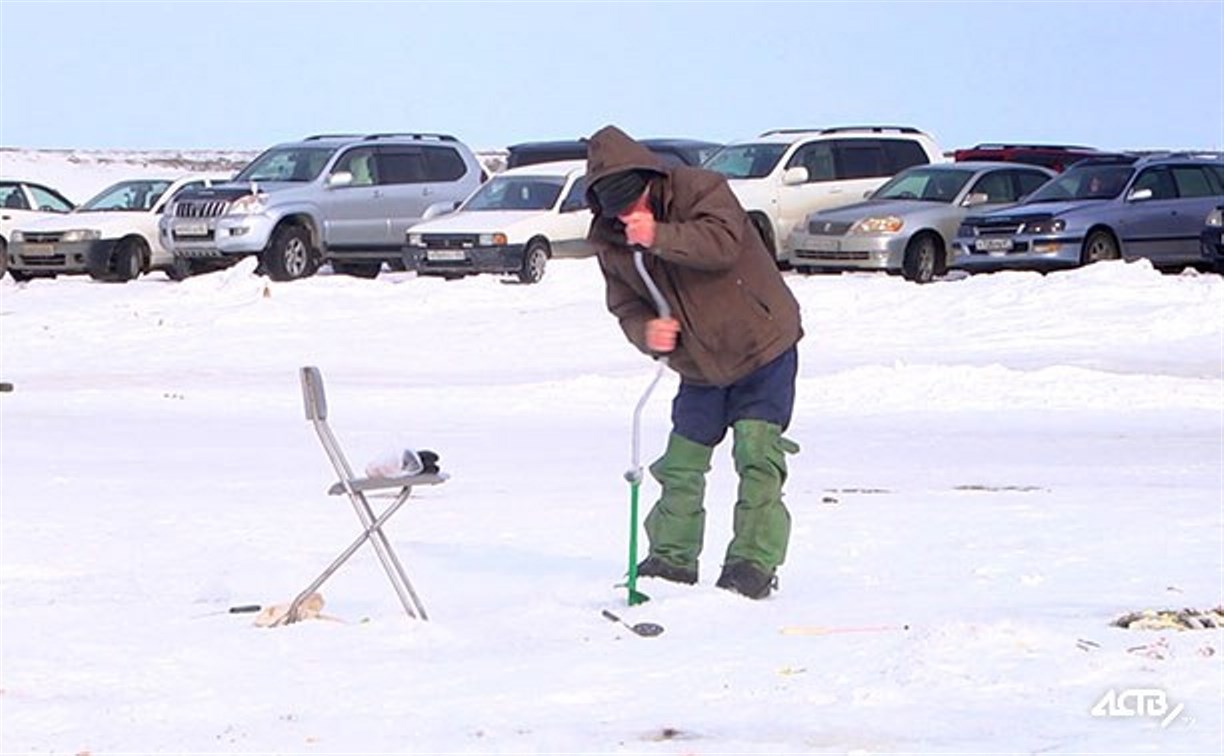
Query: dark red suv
point(1057, 157)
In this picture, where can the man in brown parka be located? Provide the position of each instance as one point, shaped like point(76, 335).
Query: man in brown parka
point(731, 336)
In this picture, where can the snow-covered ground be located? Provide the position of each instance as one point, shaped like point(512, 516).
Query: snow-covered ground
point(993, 469)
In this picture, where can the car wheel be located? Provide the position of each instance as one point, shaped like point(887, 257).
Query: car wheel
point(534, 260)
point(1099, 245)
point(921, 259)
point(181, 269)
point(128, 261)
point(289, 255)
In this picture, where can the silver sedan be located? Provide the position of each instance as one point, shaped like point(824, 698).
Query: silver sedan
point(907, 224)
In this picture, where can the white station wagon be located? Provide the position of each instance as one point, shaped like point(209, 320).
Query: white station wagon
point(511, 225)
point(112, 237)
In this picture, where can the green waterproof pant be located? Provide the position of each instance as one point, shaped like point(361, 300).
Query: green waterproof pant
point(762, 524)
point(676, 523)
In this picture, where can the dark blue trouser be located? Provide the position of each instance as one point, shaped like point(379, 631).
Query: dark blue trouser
point(704, 413)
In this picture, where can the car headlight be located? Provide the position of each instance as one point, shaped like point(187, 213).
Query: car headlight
point(1214, 218)
point(81, 234)
point(491, 240)
point(415, 240)
point(16, 236)
point(252, 204)
point(885, 224)
point(1043, 227)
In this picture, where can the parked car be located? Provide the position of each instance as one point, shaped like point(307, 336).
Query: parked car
point(22, 202)
point(511, 225)
point(112, 237)
point(1057, 157)
point(1213, 239)
point(671, 151)
point(907, 225)
point(1106, 209)
point(347, 199)
point(784, 175)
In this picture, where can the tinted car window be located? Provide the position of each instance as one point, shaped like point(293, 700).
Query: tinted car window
point(49, 200)
point(401, 166)
point(443, 164)
point(1191, 181)
point(903, 153)
point(861, 158)
point(1029, 181)
point(576, 199)
point(997, 186)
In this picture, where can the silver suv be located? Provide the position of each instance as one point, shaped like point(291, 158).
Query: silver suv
point(343, 199)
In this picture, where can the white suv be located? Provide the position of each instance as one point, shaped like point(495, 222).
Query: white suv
point(784, 175)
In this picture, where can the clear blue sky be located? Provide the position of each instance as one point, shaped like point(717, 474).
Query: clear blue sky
point(198, 75)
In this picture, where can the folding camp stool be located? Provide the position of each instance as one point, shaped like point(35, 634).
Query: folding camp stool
point(356, 488)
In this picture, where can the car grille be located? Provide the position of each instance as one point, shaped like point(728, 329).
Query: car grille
point(840, 255)
point(48, 237)
point(50, 261)
point(450, 241)
point(828, 228)
point(1007, 227)
point(204, 209)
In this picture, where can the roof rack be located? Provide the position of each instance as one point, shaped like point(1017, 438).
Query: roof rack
point(771, 132)
point(874, 129)
point(1008, 146)
point(392, 135)
point(314, 137)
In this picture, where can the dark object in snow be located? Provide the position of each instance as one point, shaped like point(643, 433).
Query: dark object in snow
point(644, 629)
point(1172, 619)
point(5, 386)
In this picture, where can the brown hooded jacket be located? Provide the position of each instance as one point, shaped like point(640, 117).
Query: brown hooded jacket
point(736, 313)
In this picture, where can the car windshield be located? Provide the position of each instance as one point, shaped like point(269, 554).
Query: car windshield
point(517, 193)
point(128, 196)
point(287, 164)
point(740, 161)
point(926, 184)
point(1085, 182)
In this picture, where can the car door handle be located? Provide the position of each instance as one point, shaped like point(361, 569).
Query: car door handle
point(426, 191)
point(6, 217)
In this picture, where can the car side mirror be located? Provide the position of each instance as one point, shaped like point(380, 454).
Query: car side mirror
point(439, 208)
point(1139, 195)
point(338, 179)
point(976, 198)
point(796, 175)
point(867, 194)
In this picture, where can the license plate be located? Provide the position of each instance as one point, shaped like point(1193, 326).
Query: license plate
point(445, 255)
point(993, 245)
point(38, 250)
point(191, 229)
point(823, 245)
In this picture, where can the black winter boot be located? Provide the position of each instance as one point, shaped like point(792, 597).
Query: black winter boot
point(746, 579)
point(653, 566)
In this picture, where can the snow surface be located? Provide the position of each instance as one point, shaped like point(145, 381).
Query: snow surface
point(1003, 464)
